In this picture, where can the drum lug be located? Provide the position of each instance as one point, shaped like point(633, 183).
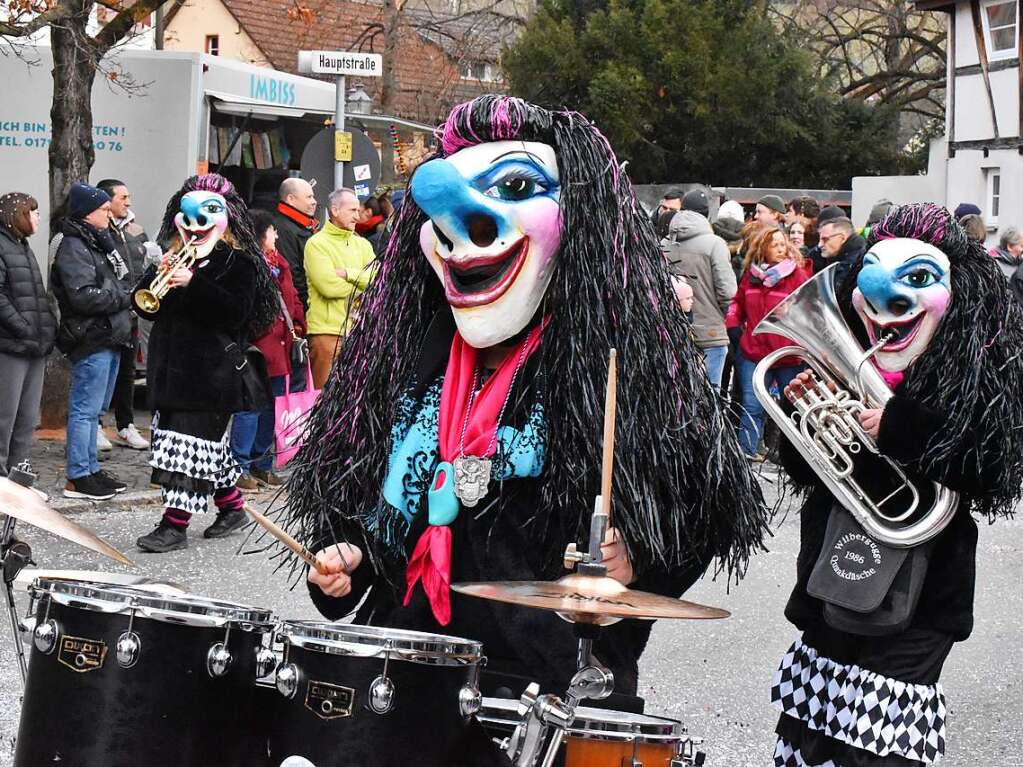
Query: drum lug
point(287, 680)
point(129, 647)
point(45, 636)
point(470, 700)
point(381, 695)
point(266, 660)
point(218, 660)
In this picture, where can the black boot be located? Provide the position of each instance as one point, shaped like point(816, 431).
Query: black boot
point(225, 524)
point(166, 537)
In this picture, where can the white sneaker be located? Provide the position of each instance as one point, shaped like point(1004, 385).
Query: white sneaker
point(102, 443)
point(130, 436)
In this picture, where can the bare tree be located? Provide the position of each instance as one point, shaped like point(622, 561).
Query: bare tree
point(881, 51)
point(77, 59)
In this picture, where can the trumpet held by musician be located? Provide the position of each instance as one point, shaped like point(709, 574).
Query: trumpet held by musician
point(910, 419)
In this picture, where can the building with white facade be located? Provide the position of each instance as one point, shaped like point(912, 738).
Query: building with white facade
point(980, 157)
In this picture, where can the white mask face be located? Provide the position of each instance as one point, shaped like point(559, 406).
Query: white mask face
point(202, 220)
point(493, 234)
point(902, 289)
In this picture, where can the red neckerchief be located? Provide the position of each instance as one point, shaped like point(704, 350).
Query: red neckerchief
point(368, 225)
point(431, 560)
point(300, 218)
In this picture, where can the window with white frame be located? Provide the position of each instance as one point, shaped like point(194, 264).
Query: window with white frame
point(1001, 20)
point(482, 71)
point(213, 45)
point(994, 195)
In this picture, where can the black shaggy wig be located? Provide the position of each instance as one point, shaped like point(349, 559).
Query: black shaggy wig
point(239, 235)
point(682, 489)
point(972, 370)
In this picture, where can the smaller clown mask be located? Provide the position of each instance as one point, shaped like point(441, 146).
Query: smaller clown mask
point(902, 291)
point(202, 220)
point(493, 234)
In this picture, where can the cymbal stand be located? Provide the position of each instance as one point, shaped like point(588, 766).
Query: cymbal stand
point(544, 719)
point(14, 556)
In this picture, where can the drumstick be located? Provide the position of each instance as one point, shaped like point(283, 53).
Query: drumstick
point(610, 402)
point(304, 553)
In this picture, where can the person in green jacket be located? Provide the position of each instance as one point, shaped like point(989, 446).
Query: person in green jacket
point(339, 266)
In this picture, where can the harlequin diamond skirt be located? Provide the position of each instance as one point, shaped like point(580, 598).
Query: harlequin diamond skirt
point(845, 715)
point(191, 458)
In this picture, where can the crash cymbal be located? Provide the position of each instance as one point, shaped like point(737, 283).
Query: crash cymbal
point(25, 505)
point(29, 574)
point(589, 599)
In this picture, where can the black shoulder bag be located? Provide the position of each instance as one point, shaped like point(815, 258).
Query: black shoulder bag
point(251, 366)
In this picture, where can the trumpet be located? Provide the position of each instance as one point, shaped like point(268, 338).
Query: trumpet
point(825, 426)
point(147, 300)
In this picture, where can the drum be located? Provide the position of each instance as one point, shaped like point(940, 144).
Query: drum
point(373, 696)
point(121, 677)
point(605, 738)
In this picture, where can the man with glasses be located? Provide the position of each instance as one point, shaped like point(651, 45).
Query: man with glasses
point(840, 245)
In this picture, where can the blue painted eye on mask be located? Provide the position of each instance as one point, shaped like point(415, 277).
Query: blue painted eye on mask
point(514, 181)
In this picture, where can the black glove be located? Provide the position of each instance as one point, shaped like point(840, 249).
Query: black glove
point(734, 334)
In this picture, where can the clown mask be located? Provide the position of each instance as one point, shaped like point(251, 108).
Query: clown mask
point(903, 291)
point(493, 233)
point(202, 220)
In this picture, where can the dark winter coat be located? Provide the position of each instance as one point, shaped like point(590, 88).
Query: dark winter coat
point(130, 237)
point(946, 603)
point(188, 367)
point(94, 303)
point(291, 240)
point(277, 341)
point(852, 250)
point(523, 643)
point(28, 326)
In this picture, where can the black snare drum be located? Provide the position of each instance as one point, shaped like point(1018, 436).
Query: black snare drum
point(365, 695)
point(122, 677)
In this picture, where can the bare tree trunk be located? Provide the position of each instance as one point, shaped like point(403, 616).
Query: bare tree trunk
point(74, 69)
point(388, 83)
point(71, 157)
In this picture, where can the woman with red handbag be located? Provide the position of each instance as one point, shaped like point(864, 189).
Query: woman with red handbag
point(252, 433)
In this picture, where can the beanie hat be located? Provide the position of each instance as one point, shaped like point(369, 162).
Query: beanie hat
point(15, 213)
point(733, 210)
point(879, 211)
point(829, 214)
point(728, 229)
point(772, 201)
point(965, 209)
point(696, 201)
point(84, 199)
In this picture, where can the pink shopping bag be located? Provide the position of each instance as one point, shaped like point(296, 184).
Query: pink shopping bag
point(291, 411)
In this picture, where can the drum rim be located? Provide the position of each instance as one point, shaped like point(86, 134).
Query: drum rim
point(588, 725)
point(377, 641)
point(187, 609)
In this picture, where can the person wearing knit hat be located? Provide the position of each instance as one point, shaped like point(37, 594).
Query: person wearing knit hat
point(89, 281)
point(27, 329)
point(696, 200)
point(770, 210)
point(966, 209)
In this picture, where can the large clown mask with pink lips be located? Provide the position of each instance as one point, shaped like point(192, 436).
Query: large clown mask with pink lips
point(493, 234)
point(903, 290)
point(202, 220)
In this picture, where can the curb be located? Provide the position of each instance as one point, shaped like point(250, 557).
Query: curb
point(122, 502)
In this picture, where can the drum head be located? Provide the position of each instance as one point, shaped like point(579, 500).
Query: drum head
point(28, 576)
point(593, 723)
point(378, 642)
point(184, 609)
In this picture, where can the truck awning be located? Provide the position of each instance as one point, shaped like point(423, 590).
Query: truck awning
point(230, 103)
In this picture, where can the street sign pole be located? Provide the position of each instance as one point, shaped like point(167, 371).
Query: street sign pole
point(339, 127)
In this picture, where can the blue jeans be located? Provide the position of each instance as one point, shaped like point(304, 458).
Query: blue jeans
point(252, 433)
point(714, 357)
point(92, 386)
point(751, 422)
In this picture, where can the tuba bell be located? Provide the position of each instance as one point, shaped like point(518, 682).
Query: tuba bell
point(147, 300)
point(825, 427)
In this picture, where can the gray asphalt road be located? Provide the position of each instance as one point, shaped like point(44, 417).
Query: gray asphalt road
point(714, 676)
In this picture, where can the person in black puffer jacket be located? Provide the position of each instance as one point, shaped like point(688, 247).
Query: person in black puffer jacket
point(87, 278)
point(28, 328)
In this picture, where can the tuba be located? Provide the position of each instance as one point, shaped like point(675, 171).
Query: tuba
point(147, 300)
point(825, 427)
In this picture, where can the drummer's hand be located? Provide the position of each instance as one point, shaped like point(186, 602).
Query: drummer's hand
point(338, 581)
point(180, 278)
point(870, 420)
point(616, 558)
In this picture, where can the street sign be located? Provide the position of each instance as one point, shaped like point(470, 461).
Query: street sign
point(342, 146)
point(340, 63)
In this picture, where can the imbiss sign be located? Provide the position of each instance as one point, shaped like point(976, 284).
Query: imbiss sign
point(340, 63)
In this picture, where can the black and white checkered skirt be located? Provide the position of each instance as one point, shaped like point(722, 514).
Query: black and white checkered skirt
point(191, 458)
point(857, 707)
